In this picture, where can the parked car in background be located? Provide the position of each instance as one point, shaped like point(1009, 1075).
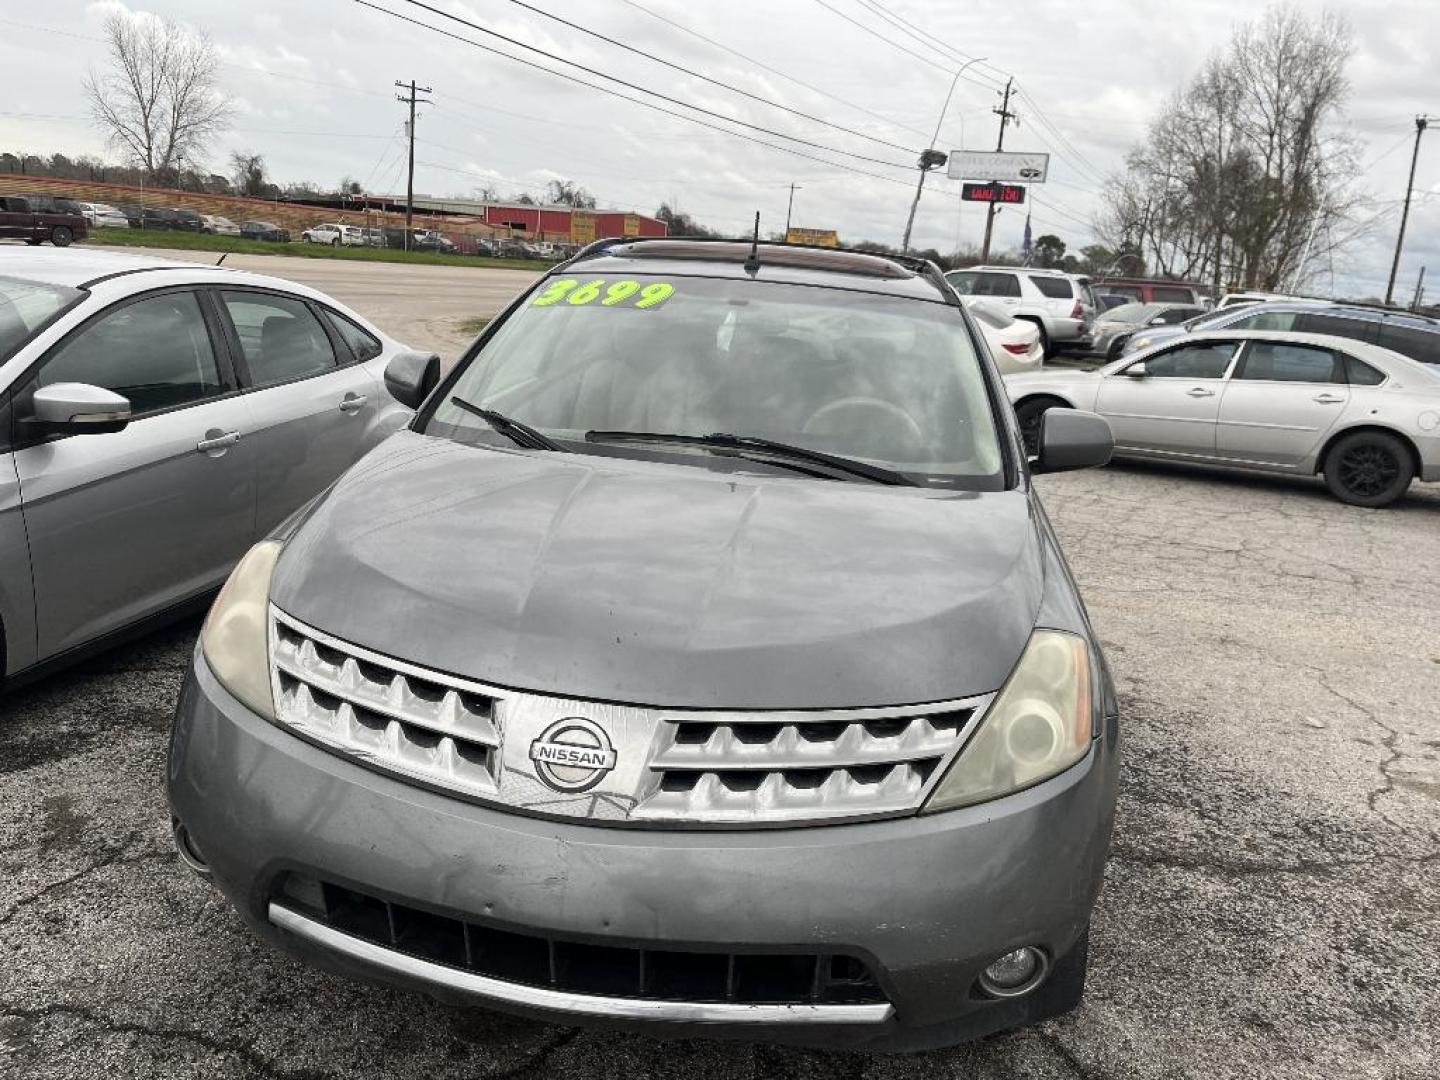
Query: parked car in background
point(36, 219)
point(323, 234)
point(1240, 299)
point(215, 225)
point(1415, 336)
point(1061, 305)
point(848, 781)
point(103, 216)
point(430, 240)
point(352, 236)
point(1104, 301)
point(143, 217)
point(373, 237)
point(1154, 291)
point(182, 220)
point(163, 416)
point(1115, 327)
point(1014, 343)
point(485, 249)
point(1279, 402)
point(264, 230)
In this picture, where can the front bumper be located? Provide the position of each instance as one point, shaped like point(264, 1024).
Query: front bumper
point(927, 902)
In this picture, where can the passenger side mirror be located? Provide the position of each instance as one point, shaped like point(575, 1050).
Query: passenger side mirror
point(410, 377)
point(1137, 371)
point(80, 409)
point(1073, 439)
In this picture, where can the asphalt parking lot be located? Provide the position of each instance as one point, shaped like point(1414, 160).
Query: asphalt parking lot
point(1271, 907)
point(423, 306)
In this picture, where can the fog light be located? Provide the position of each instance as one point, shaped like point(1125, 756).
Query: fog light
point(1015, 974)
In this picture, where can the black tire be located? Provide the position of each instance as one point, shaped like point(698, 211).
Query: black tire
point(1046, 349)
point(335, 242)
point(1116, 348)
point(1369, 468)
point(1030, 413)
point(61, 235)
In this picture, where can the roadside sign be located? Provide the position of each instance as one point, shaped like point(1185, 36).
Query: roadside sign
point(1005, 167)
point(1001, 193)
point(632, 224)
point(582, 227)
point(813, 237)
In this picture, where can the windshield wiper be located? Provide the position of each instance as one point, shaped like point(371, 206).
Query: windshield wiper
point(514, 430)
point(722, 440)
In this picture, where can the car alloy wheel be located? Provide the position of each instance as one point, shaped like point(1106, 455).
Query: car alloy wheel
point(1369, 468)
point(1031, 415)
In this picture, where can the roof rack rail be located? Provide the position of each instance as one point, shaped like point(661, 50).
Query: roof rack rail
point(917, 265)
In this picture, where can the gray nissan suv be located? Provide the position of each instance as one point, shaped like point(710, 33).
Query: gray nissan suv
point(700, 659)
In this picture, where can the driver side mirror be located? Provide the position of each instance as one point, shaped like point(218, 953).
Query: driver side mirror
point(410, 377)
point(1159, 320)
point(1137, 371)
point(80, 409)
point(1073, 439)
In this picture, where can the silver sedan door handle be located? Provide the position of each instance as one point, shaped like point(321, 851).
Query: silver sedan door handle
point(1200, 391)
point(353, 403)
point(217, 440)
point(1328, 399)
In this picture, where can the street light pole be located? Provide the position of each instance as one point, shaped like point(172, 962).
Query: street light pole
point(932, 158)
point(789, 207)
point(1420, 124)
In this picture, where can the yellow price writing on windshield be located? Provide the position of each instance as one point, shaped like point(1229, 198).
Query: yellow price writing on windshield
point(576, 293)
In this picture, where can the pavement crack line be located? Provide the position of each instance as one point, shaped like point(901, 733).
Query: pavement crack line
point(244, 1051)
point(1303, 868)
point(1388, 742)
point(538, 1059)
point(116, 857)
point(1065, 1054)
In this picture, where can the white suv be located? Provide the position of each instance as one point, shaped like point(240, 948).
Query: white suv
point(1060, 304)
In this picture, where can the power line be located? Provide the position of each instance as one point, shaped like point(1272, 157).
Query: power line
point(773, 71)
point(950, 55)
point(625, 82)
point(948, 69)
point(633, 100)
point(692, 73)
point(935, 42)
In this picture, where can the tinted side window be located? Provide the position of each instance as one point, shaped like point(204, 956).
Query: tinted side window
point(1265, 320)
point(1170, 294)
point(156, 352)
point(1315, 323)
point(1207, 361)
point(361, 342)
point(1052, 287)
point(282, 340)
point(1411, 341)
point(1360, 374)
point(1279, 361)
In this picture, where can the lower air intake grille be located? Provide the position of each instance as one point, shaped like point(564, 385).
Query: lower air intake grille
point(801, 978)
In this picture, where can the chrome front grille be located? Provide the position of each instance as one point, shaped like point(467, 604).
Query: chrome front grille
point(666, 766)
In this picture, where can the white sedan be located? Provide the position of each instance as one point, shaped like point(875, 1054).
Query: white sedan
point(1366, 418)
point(104, 216)
point(1014, 343)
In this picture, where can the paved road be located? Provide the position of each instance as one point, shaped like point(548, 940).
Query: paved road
point(1271, 908)
point(420, 305)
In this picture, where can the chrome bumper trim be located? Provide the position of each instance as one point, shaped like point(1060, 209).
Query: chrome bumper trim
point(538, 997)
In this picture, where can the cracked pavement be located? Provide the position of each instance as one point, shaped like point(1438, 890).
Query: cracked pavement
point(1271, 906)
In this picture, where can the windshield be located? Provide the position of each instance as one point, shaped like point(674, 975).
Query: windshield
point(26, 306)
point(890, 381)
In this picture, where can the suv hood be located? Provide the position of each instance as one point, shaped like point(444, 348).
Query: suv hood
point(664, 584)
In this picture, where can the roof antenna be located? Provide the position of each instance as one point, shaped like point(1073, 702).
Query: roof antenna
point(752, 264)
point(221, 259)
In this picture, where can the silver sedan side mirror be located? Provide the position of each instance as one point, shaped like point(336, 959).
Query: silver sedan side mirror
point(1137, 371)
point(79, 408)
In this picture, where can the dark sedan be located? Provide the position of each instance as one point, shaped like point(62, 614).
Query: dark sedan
point(264, 230)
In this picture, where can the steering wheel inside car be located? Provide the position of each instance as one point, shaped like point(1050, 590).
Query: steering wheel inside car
point(891, 410)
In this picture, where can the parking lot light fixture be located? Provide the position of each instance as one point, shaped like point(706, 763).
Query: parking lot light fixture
point(931, 158)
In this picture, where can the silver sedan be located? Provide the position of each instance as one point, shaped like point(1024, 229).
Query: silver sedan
point(160, 417)
point(1366, 418)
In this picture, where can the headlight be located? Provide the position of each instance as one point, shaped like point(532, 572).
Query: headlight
point(1037, 726)
point(235, 637)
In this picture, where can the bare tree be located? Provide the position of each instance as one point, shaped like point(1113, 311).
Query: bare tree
point(1246, 176)
point(158, 99)
point(248, 172)
point(566, 193)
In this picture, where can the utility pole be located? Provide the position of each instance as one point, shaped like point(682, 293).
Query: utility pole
point(790, 206)
point(1005, 117)
point(1419, 291)
point(933, 158)
point(411, 100)
point(1420, 125)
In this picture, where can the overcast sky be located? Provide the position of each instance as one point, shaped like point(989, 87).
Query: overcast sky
point(312, 86)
